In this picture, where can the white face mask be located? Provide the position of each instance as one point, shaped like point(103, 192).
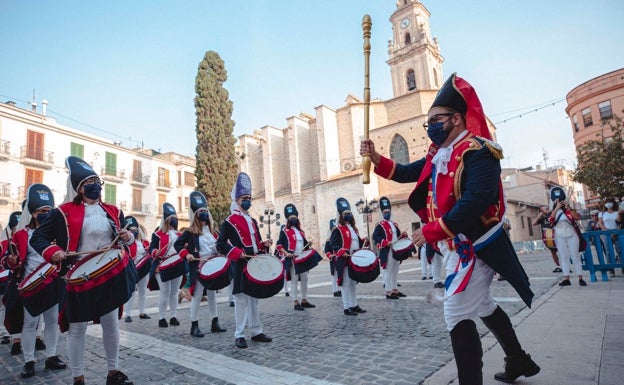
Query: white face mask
point(609, 205)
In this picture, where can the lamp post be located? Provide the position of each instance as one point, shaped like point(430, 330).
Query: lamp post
point(268, 218)
point(366, 208)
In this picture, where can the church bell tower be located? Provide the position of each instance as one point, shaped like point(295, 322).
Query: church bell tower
point(414, 56)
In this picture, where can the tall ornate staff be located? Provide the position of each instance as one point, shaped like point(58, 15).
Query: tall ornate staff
point(366, 28)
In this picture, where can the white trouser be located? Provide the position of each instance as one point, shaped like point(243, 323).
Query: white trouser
point(349, 295)
point(294, 279)
point(568, 247)
point(29, 333)
point(141, 288)
point(285, 284)
point(436, 267)
point(211, 295)
point(168, 295)
point(110, 340)
point(246, 307)
point(230, 288)
point(335, 286)
point(426, 267)
point(391, 273)
point(475, 300)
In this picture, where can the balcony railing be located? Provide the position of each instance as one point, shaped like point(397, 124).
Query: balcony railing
point(140, 179)
point(36, 156)
point(5, 190)
point(112, 174)
point(5, 149)
point(163, 184)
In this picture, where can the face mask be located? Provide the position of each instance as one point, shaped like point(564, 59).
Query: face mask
point(203, 216)
point(437, 134)
point(41, 217)
point(92, 191)
point(348, 217)
point(609, 205)
point(387, 216)
point(293, 222)
point(173, 222)
point(246, 204)
point(135, 233)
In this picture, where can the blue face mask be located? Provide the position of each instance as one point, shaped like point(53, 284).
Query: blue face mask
point(92, 191)
point(387, 216)
point(246, 204)
point(437, 134)
point(173, 222)
point(203, 216)
point(294, 222)
point(348, 217)
point(41, 217)
point(135, 233)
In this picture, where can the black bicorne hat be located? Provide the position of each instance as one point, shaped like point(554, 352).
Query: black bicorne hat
point(14, 218)
point(342, 205)
point(198, 201)
point(557, 193)
point(131, 222)
point(289, 210)
point(168, 210)
point(450, 97)
point(332, 223)
point(79, 171)
point(39, 195)
point(384, 204)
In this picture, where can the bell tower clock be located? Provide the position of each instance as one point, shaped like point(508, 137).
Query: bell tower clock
point(414, 57)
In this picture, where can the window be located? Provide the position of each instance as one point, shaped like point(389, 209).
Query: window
point(31, 177)
point(180, 204)
point(110, 194)
point(411, 80)
point(189, 179)
point(137, 171)
point(530, 228)
point(111, 164)
point(162, 198)
point(398, 150)
point(76, 149)
point(587, 119)
point(435, 78)
point(408, 39)
point(137, 200)
point(163, 177)
point(34, 145)
point(575, 122)
point(605, 110)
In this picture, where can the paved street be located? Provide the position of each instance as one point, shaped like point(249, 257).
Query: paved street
point(396, 342)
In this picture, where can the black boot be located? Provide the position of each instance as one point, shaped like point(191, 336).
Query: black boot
point(468, 353)
point(28, 370)
point(517, 362)
point(195, 332)
point(215, 328)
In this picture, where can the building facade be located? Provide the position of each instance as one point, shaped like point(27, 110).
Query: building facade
point(33, 149)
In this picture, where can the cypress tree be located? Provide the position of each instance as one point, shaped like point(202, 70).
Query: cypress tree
point(216, 167)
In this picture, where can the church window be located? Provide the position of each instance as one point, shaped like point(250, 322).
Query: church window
point(398, 150)
point(408, 39)
point(435, 78)
point(411, 80)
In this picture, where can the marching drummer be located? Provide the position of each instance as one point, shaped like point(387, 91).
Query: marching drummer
point(239, 238)
point(344, 241)
point(161, 248)
point(39, 203)
point(385, 234)
point(84, 223)
point(291, 243)
point(329, 253)
point(199, 242)
point(142, 245)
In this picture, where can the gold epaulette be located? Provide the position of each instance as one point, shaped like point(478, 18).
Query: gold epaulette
point(494, 148)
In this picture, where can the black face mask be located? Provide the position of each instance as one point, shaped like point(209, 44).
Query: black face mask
point(203, 216)
point(348, 217)
point(92, 191)
point(173, 222)
point(41, 217)
point(293, 222)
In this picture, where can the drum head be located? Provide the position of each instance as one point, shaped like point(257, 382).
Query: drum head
point(213, 265)
point(401, 244)
point(39, 273)
point(169, 261)
point(304, 255)
point(93, 263)
point(264, 267)
point(363, 257)
point(4, 275)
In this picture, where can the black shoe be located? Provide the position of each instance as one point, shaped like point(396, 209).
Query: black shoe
point(241, 343)
point(128, 319)
point(287, 294)
point(557, 270)
point(5, 340)
point(79, 382)
point(16, 348)
point(438, 285)
point(337, 294)
point(144, 316)
point(298, 306)
point(195, 332)
point(582, 282)
point(349, 312)
point(39, 345)
point(392, 296)
point(162, 323)
point(118, 378)
point(261, 338)
point(54, 363)
point(399, 294)
point(358, 309)
point(424, 278)
point(398, 284)
point(565, 282)
point(430, 277)
point(231, 303)
point(215, 328)
point(516, 367)
point(307, 305)
point(28, 370)
point(174, 321)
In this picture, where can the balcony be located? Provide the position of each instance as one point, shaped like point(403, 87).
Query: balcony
point(37, 157)
point(112, 175)
point(5, 192)
point(140, 180)
point(163, 185)
point(21, 193)
point(5, 149)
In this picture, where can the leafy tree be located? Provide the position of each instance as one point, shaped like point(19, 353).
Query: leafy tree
point(601, 162)
point(216, 167)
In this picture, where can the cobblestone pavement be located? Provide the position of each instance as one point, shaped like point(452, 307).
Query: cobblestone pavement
point(396, 342)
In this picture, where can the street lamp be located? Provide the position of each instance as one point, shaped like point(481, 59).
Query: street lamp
point(366, 208)
point(267, 219)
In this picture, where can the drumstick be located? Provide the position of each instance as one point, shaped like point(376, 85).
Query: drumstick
point(110, 247)
point(77, 253)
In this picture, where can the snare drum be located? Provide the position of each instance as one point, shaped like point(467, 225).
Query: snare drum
point(306, 261)
point(172, 267)
point(548, 236)
point(39, 290)
point(143, 265)
point(403, 249)
point(4, 280)
point(263, 276)
point(214, 274)
point(363, 266)
point(99, 284)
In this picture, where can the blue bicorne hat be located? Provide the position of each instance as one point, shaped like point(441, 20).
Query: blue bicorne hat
point(243, 185)
point(332, 223)
point(168, 210)
point(342, 205)
point(79, 171)
point(384, 204)
point(198, 201)
point(39, 195)
point(289, 210)
point(14, 218)
point(131, 222)
point(557, 193)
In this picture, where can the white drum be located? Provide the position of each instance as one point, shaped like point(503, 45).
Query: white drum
point(214, 274)
point(403, 249)
point(363, 266)
point(263, 277)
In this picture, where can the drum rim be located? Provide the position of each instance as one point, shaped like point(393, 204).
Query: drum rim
point(177, 261)
point(49, 272)
point(402, 240)
point(217, 273)
point(251, 278)
point(111, 265)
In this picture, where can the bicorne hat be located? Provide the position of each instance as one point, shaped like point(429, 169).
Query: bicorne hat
point(289, 210)
point(198, 201)
point(243, 185)
point(384, 204)
point(79, 171)
point(39, 195)
point(332, 223)
point(14, 218)
point(342, 205)
point(557, 193)
point(168, 210)
point(132, 222)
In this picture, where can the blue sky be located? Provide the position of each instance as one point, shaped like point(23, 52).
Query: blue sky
point(128, 67)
